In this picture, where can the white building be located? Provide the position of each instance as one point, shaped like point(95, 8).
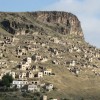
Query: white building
point(33, 88)
point(24, 66)
point(19, 83)
point(40, 74)
point(47, 72)
point(29, 60)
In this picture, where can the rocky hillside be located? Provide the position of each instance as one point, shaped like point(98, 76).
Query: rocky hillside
point(55, 41)
point(61, 22)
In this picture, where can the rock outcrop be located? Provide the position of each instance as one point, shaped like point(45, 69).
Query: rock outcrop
point(60, 22)
point(67, 22)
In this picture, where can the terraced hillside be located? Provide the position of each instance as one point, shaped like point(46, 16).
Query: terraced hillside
point(54, 42)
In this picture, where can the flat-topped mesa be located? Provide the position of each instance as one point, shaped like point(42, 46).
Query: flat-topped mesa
point(67, 22)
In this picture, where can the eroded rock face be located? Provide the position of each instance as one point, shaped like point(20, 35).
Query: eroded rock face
point(66, 23)
point(61, 22)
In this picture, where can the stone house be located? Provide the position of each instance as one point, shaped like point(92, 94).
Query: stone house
point(47, 72)
point(21, 32)
point(73, 63)
point(36, 57)
point(75, 48)
point(75, 70)
point(85, 55)
point(28, 47)
point(3, 64)
point(34, 48)
point(35, 33)
point(43, 44)
point(44, 97)
point(24, 66)
point(78, 50)
point(40, 74)
point(35, 82)
point(33, 88)
point(35, 68)
point(21, 51)
point(21, 75)
point(29, 60)
point(44, 59)
point(30, 74)
point(7, 40)
point(55, 40)
point(49, 87)
point(53, 50)
point(70, 50)
point(31, 48)
point(55, 62)
point(91, 59)
point(97, 55)
point(15, 40)
point(28, 42)
point(19, 83)
point(62, 43)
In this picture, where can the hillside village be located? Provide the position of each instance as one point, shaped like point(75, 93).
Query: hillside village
point(33, 56)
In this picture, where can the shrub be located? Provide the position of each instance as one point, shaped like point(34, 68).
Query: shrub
point(7, 80)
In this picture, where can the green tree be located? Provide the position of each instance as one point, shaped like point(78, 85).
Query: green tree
point(7, 80)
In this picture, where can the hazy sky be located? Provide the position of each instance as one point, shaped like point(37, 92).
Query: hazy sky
point(88, 12)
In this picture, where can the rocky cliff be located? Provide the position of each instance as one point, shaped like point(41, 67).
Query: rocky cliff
point(61, 22)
